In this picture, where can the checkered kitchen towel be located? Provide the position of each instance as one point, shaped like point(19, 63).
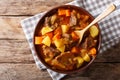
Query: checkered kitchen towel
point(110, 27)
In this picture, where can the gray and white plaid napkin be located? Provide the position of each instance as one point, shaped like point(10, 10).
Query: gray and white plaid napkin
point(110, 27)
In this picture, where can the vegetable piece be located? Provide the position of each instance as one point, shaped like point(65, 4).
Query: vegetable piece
point(46, 30)
point(92, 51)
point(74, 50)
point(85, 55)
point(74, 36)
point(46, 41)
point(48, 59)
point(93, 31)
point(58, 30)
point(38, 39)
point(79, 60)
point(67, 12)
point(53, 18)
point(59, 42)
point(61, 12)
point(57, 33)
point(50, 34)
point(61, 49)
point(64, 28)
point(56, 37)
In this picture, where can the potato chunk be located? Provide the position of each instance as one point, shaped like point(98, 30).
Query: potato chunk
point(85, 56)
point(46, 41)
point(59, 43)
point(61, 49)
point(46, 30)
point(53, 18)
point(79, 60)
point(94, 31)
point(64, 28)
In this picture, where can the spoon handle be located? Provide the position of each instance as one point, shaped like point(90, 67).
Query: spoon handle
point(106, 12)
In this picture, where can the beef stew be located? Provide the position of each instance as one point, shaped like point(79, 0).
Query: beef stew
point(57, 43)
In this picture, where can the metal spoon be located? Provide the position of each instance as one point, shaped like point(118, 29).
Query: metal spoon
point(106, 12)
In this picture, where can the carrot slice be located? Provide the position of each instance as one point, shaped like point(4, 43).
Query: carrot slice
point(38, 40)
point(61, 12)
point(56, 36)
point(57, 33)
point(58, 30)
point(74, 36)
point(67, 12)
point(50, 34)
point(75, 50)
point(93, 51)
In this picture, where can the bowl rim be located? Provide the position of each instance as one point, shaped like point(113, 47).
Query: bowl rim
point(71, 71)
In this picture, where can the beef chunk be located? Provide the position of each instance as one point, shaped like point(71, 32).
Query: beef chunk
point(54, 26)
point(64, 61)
point(67, 38)
point(73, 19)
point(88, 43)
point(67, 41)
point(47, 21)
point(50, 52)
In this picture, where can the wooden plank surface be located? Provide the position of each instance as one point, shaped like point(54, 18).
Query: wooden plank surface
point(15, 51)
point(97, 71)
point(22, 72)
point(10, 27)
point(16, 61)
point(27, 7)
